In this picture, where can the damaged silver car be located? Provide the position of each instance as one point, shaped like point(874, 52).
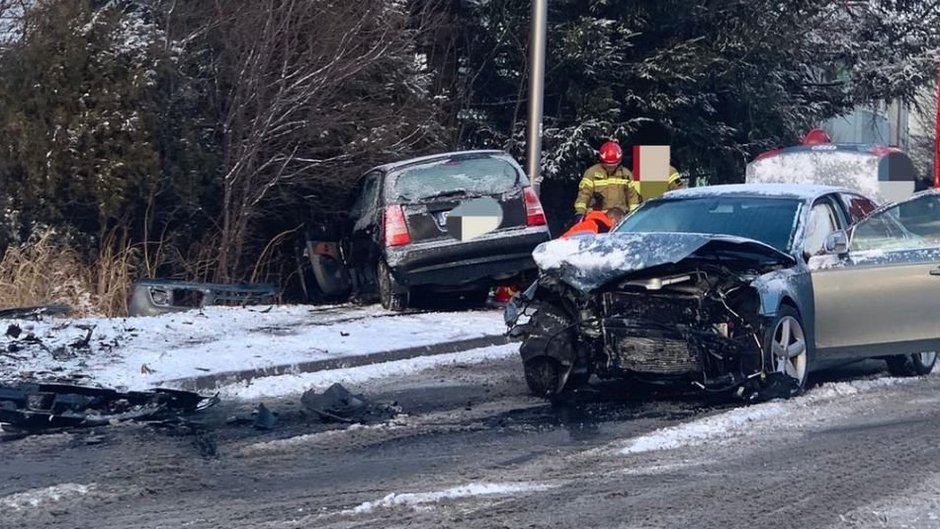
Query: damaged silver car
point(737, 288)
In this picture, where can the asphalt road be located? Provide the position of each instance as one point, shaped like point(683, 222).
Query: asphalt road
point(473, 450)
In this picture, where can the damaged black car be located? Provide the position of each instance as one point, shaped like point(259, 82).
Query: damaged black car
point(742, 289)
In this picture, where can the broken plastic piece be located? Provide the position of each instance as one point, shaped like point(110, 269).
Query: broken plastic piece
point(36, 407)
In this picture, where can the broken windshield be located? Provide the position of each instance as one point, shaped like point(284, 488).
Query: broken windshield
point(765, 219)
point(455, 177)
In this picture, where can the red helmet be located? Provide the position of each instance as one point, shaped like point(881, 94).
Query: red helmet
point(611, 153)
point(816, 137)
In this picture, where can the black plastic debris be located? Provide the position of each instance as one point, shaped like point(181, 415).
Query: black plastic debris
point(265, 419)
point(37, 407)
point(24, 313)
point(337, 404)
point(776, 386)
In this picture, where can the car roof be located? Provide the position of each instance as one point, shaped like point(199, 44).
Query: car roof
point(411, 161)
point(801, 191)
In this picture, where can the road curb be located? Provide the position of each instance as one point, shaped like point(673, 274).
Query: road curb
point(215, 380)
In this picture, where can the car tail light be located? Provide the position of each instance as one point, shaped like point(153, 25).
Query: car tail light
point(396, 229)
point(534, 214)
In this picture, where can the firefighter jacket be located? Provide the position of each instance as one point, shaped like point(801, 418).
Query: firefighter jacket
point(594, 222)
point(675, 179)
point(617, 189)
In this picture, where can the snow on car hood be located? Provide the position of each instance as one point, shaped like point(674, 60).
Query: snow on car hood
point(587, 263)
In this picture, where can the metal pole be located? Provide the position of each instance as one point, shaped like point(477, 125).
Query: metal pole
point(936, 137)
point(536, 90)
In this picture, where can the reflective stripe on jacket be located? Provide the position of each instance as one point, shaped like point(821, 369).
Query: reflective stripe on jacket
point(617, 189)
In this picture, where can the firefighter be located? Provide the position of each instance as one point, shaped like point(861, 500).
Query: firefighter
point(609, 179)
point(675, 180)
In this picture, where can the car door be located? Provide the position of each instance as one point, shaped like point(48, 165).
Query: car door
point(880, 297)
point(360, 247)
point(338, 242)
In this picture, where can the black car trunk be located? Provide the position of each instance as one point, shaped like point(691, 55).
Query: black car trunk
point(427, 220)
point(431, 190)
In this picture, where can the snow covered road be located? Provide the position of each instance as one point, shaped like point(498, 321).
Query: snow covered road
point(471, 449)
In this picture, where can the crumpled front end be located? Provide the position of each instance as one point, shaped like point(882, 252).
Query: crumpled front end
point(697, 319)
point(701, 324)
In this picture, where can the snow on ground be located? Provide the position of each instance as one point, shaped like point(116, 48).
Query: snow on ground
point(138, 353)
point(293, 384)
point(414, 499)
point(749, 420)
point(44, 496)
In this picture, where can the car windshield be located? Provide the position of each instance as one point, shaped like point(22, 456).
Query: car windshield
point(458, 176)
point(768, 220)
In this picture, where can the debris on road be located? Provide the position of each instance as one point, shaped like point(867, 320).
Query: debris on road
point(37, 407)
point(265, 419)
point(25, 313)
point(339, 405)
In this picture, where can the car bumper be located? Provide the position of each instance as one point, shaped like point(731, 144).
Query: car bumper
point(152, 297)
point(456, 263)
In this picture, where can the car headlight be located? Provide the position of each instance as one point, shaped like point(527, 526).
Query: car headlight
point(160, 296)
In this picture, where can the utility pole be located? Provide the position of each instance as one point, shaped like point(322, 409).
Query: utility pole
point(936, 136)
point(536, 91)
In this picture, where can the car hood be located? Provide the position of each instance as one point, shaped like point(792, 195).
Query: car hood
point(590, 262)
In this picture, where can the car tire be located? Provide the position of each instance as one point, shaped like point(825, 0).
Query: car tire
point(788, 351)
point(542, 375)
point(911, 365)
point(330, 275)
point(392, 295)
point(549, 337)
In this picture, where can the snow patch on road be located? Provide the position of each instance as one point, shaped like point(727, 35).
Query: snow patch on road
point(283, 385)
point(299, 441)
point(698, 432)
point(414, 499)
point(40, 497)
point(741, 421)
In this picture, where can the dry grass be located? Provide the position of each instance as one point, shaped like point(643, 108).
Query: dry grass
point(51, 269)
point(54, 268)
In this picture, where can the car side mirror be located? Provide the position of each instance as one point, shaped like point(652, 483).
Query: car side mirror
point(836, 243)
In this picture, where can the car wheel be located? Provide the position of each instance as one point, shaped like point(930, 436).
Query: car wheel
point(542, 375)
point(911, 365)
point(789, 350)
point(330, 275)
point(549, 339)
point(392, 295)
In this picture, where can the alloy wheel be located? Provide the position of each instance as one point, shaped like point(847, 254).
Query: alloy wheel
point(788, 349)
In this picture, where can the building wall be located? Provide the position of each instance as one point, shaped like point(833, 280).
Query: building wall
point(881, 125)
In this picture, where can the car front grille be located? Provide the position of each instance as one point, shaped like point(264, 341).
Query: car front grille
point(655, 355)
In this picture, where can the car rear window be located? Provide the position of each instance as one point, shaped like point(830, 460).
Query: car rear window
point(768, 220)
point(481, 175)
